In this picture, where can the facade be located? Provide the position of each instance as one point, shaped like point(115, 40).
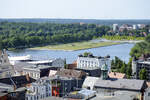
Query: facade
point(40, 89)
point(115, 27)
point(137, 65)
point(135, 27)
point(92, 62)
point(32, 70)
point(6, 70)
point(66, 81)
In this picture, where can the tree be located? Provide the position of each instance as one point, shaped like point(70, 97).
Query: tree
point(86, 54)
point(1, 44)
point(123, 68)
point(143, 74)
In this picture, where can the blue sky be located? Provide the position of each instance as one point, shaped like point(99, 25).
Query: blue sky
point(75, 9)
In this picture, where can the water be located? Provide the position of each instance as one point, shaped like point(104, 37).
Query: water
point(121, 50)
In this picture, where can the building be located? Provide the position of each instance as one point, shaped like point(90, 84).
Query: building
point(116, 75)
point(135, 27)
point(15, 59)
point(138, 64)
point(92, 72)
point(106, 86)
point(147, 92)
point(6, 69)
point(18, 81)
point(92, 62)
point(52, 62)
point(13, 88)
point(125, 27)
point(83, 94)
point(40, 89)
point(115, 27)
point(89, 82)
point(66, 81)
point(7, 92)
point(141, 26)
point(34, 71)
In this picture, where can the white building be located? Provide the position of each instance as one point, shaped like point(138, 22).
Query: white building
point(41, 89)
point(135, 27)
point(115, 27)
point(92, 62)
point(15, 59)
point(52, 62)
point(33, 72)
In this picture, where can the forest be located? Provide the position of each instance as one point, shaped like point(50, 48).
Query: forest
point(24, 35)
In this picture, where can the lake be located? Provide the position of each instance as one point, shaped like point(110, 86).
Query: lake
point(121, 50)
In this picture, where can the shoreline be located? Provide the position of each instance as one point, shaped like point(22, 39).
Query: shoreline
point(74, 50)
point(112, 42)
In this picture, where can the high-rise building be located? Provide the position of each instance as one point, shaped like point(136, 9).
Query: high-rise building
point(135, 27)
point(115, 27)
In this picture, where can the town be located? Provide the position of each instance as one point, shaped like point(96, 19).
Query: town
point(89, 77)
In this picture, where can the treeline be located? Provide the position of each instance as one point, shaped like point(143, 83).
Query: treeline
point(18, 35)
point(141, 48)
point(117, 65)
point(24, 35)
point(117, 37)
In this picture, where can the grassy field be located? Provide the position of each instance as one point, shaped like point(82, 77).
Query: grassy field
point(75, 46)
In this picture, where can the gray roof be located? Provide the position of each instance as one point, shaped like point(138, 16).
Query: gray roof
point(125, 84)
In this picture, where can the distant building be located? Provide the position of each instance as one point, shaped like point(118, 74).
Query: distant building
point(6, 69)
point(115, 27)
point(92, 62)
point(125, 27)
point(135, 27)
point(141, 26)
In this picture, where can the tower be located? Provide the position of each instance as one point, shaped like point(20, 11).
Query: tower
point(115, 27)
point(104, 72)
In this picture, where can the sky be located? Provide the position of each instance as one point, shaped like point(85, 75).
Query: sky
point(75, 9)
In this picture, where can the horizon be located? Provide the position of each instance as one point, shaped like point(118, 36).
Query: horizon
point(74, 19)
